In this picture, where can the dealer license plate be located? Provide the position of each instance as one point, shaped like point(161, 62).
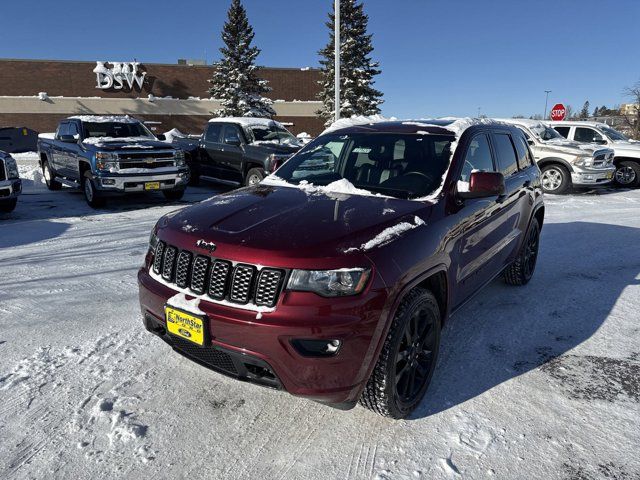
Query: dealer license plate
point(185, 325)
point(152, 186)
point(609, 175)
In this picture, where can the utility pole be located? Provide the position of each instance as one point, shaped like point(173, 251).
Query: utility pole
point(336, 67)
point(546, 101)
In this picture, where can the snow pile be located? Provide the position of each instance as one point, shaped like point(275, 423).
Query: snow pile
point(248, 121)
point(355, 121)
point(43, 96)
point(388, 235)
point(101, 141)
point(180, 301)
point(304, 138)
point(47, 136)
point(173, 134)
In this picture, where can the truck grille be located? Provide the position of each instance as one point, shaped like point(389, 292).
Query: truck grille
point(144, 164)
point(219, 279)
point(145, 155)
point(602, 159)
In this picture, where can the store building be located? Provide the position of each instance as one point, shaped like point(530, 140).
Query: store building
point(38, 93)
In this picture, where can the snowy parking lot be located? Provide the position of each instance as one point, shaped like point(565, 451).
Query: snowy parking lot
point(534, 382)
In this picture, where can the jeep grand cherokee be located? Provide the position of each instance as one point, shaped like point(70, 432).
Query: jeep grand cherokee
point(332, 278)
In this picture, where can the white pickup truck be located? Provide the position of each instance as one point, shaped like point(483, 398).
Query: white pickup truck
point(627, 152)
point(563, 163)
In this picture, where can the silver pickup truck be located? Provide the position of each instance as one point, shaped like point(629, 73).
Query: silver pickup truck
point(108, 155)
point(565, 164)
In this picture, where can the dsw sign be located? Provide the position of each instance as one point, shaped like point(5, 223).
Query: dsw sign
point(119, 76)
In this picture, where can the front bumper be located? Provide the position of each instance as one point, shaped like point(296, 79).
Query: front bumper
point(267, 340)
point(10, 189)
point(136, 182)
point(592, 176)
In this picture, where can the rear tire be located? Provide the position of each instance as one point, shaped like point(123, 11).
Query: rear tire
point(8, 207)
point(627, 174)
point(254, 176)
point(522, 269)
point(91, 194)
point(173, 195)
point(408, 358)
point(49, 177)
point(555, 179)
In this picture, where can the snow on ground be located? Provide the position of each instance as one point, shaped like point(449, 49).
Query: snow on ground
point(534, 382)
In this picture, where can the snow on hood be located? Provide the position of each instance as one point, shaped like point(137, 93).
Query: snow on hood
point(388, 235)
point(102, 141)
point(172, 134)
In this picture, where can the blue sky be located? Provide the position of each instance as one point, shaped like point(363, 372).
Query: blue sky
point(438, 57)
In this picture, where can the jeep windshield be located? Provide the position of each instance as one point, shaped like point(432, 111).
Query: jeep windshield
point(397, 165)
point(115, 130)
point(272, 133)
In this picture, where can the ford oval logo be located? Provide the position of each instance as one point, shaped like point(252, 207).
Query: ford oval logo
point(184, 333)
point(209, 246)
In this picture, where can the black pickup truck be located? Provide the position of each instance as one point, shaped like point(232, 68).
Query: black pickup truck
point(238, 150)
point(109, 155)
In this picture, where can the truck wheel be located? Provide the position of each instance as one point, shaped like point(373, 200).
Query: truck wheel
point(49, 177)
point(555, 179)
point(8, 207)
point(404, 369)
point(91, 194)
point(628, 174)
point(521, 270)
point(254, 176)
point(173, 194)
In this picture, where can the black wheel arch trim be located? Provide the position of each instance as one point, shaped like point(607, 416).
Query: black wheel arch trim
point(617, 160)
point(554, 160)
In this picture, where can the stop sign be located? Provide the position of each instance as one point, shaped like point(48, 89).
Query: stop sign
point(558, 112)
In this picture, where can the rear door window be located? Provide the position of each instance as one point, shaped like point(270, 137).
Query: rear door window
point(587, 135)
point(564, 131)
point(507, 160)
point(524, 155)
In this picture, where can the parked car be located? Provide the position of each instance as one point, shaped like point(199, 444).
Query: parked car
point(109, 155)
point(627, 152)
point(565, 164)
point(331, 280)
point(240, 151)
point(10, 183)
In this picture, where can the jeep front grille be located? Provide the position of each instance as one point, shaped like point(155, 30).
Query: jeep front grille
point(219, 279)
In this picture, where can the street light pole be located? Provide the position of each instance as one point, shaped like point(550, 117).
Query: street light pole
point(336, 68)
point(546, 101)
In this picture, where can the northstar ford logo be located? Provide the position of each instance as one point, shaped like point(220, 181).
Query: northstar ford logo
point(210, 246)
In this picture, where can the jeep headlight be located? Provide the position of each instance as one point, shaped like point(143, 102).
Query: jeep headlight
point(330, 283)
point(179, 157)
point(584, 161)
point(12, 168)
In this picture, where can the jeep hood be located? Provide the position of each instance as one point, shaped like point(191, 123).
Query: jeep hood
point(274, 224)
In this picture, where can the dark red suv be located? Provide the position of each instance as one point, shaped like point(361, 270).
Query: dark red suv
point(332, 280)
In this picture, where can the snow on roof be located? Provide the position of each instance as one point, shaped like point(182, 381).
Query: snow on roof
point(527, 122)
point(358, 120)
point(104, 118)
point(247, 121)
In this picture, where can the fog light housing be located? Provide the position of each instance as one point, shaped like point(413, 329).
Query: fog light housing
point(108, 181)
point(317, 348)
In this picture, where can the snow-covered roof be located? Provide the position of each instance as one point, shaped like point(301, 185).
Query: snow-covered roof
point(105, 118)
point(247, 121)
point(527, 122)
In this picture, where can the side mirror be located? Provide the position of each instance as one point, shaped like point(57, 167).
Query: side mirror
point(68, 138)
point(600, 141)
point(531, 142)
point(161, 136)
point(484, 184)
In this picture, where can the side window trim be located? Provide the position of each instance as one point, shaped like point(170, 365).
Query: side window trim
point(463, 157)
point(495, 149)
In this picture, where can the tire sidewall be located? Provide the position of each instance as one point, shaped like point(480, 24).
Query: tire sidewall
point(398, 408)
point(564, 184)
point(254, 172)
point(636, 170)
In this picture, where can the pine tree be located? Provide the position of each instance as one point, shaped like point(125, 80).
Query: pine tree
point(584, 113)
point(357, 70)
point(235, 81)
point(596, 111)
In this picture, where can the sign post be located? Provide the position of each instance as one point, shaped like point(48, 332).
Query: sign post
point(558, 112)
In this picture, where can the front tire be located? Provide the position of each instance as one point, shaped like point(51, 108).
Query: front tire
point(555, 179)
point(254, 176)
point(404, 369)
point(8, 207)
point(49, 177)
point(91, 194)
point(521, 270)
point(627, 174)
